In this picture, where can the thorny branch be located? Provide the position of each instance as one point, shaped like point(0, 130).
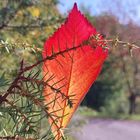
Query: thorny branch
point(114, 42)
point(25, 69)
point(20, 76)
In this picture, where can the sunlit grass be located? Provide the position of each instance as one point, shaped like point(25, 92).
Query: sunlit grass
point(90, 113)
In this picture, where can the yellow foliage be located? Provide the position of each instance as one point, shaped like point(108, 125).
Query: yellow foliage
point(35, 12)
point(20, 13)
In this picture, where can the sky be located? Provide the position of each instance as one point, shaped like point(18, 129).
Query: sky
point(123, 9)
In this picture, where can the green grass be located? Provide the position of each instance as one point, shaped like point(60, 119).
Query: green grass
point(90, 113)
point(87, 112)
point(135, 117)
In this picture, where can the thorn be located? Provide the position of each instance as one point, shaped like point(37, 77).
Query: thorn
point(59, 63)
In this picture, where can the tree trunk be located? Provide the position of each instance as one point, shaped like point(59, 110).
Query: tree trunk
point(132, 103)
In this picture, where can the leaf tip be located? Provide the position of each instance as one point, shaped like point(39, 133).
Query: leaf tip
point(75, 6)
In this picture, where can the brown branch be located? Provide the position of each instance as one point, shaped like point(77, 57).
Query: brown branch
point(54, 55)
point(44, 84)
point(19, 111)
point(11, 16)
point(14, 83)
point(40, 104)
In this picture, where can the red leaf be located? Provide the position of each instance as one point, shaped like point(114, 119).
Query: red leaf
point(74, 71)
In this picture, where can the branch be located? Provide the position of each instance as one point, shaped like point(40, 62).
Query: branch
point(11, 16)
point(28, 26)
point(54, 55)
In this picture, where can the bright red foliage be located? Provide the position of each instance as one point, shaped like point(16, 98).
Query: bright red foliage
point(74, 71)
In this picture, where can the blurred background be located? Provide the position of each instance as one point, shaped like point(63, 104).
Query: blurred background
point(115, 95)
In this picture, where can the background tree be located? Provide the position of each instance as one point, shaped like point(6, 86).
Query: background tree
point(111, 92)
point(25, 22)
point(24, 26)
